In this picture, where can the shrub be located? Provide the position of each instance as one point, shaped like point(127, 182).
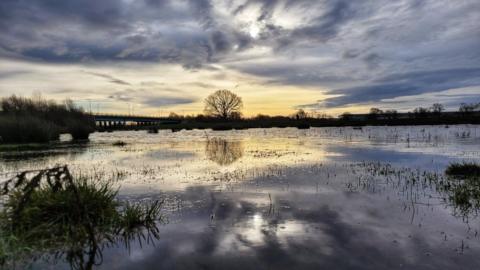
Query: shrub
point(23, 129)
point(24, 120)
point(80, 130)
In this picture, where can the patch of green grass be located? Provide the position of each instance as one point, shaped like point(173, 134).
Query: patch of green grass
point(465, 169)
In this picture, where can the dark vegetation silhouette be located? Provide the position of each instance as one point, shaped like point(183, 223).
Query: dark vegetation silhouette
point(27, 120)
point(24, 120)
point(465, 169)
point(223, 104)
point(434, 115)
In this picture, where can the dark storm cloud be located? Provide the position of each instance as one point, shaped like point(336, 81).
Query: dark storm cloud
point(73, 31)
point(81, 31)
point(407, 84)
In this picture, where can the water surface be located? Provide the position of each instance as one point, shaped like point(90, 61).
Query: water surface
point(333, 198)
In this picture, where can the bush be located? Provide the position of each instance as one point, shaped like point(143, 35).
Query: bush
point(80, 130)
point(24, 129)
point(25, 120)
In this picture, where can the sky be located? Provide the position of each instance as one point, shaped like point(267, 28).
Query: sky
point(157, 56)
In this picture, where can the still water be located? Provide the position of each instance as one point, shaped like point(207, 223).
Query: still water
point(330, 198)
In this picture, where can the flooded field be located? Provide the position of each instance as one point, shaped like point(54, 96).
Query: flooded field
point(330, 198)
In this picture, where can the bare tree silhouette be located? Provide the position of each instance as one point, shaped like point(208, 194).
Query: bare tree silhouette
point(223, 104)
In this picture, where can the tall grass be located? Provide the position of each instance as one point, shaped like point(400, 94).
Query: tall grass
point(55, 213)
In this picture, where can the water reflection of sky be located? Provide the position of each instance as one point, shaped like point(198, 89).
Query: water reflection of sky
point(278, 198)
point(336, 229)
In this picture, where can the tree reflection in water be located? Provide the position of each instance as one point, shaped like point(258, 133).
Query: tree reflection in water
point(50, 215)
point(223, 152)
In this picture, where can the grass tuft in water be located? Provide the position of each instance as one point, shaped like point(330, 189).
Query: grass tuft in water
point(467, 169)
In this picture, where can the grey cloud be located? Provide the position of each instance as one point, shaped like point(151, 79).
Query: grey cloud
point(151, 98)
point(352, 53)
point(152, 83)
point(72, 31)
point(327, 25)
point(412, 83)
point(165, 101)
point(127, 95)
point(306, 74)
point(109, 78)
point(12, 73)
point(372, 60)
point(200, 84)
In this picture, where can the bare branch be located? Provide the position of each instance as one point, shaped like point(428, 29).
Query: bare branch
point(223, 104)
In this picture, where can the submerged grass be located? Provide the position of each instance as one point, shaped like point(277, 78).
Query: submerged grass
point(466, 169)
point(55, 213)
point(462, 194)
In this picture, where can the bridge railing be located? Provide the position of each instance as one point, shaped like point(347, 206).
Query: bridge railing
point(126, 116)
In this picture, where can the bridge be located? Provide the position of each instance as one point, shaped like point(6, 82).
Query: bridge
point(118, 120)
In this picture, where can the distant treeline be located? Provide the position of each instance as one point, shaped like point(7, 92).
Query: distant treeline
point(434, 115)
point(26, 120)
